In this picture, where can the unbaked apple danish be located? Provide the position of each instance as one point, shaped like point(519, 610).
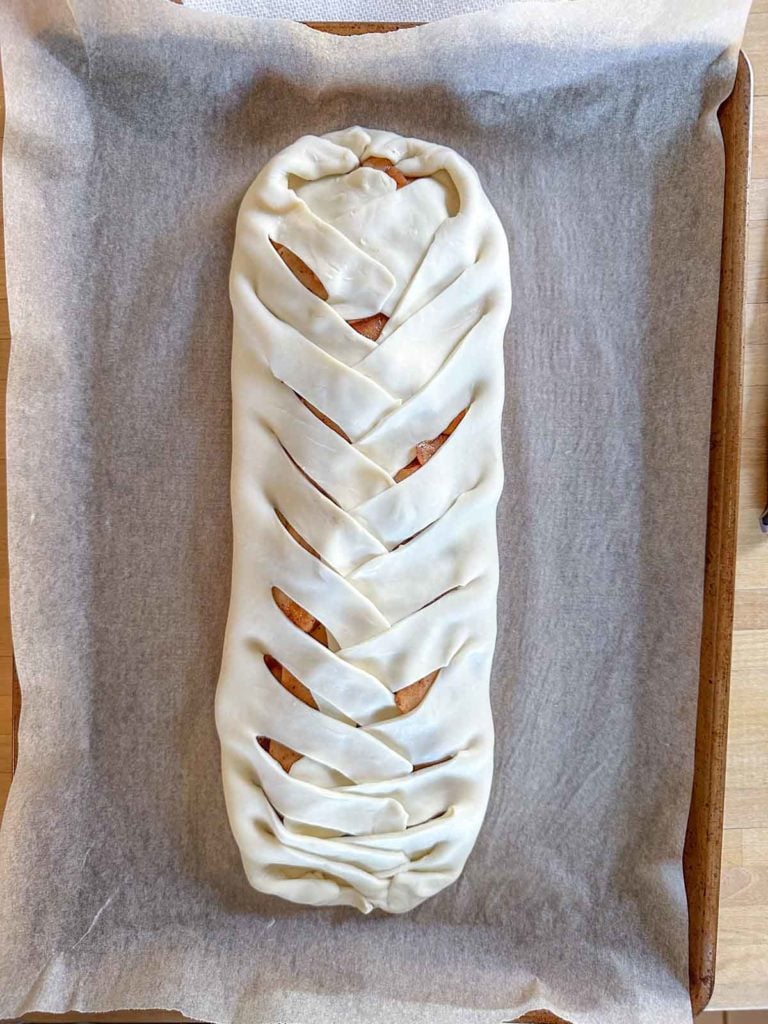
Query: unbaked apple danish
point(370, 290)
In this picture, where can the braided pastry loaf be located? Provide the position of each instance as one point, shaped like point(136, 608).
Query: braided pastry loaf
point(370, 289)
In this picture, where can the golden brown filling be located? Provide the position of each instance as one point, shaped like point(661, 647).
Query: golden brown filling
point(382, 164)
point(303, 274)
point(411, 696)
point(370, 326)
point(324, 419)
point(426, 449)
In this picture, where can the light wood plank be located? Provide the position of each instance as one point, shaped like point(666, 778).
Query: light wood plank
point(746, 802)
point(733, 848)
point(6, 677)
point(756, 351)
point(754, 847)
point(5, 715)
point(742, 970)
point(744, 807)
point(755, 425)
point(749, 659)
point(760, 140)
point(6, 646)
point(751, 611)
point(757, 268)
point(5, 785)
point(746, 887)
point(758, 198)
point(752, 555)
point(756, 48)
point(743, 927)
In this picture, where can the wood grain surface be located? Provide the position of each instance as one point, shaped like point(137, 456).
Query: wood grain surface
point(733, 1017)
point(742, 957)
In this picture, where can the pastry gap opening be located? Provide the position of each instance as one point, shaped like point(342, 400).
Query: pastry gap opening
point(383, 163)
point(409, 697)
point(323, 418)
point(370, 326)
point(407, 540)
point(424, 450)
point(431, 764)
point(540, 1017)
point(289, 681)
point(305, 621)
point(284, 756)
point(440, 597)
point(303, 273)
point(295, 534)
point(356, 28)
point(306, 475)
point(434, 817)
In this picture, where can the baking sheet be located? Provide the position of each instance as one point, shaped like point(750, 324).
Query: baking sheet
point(132, 134)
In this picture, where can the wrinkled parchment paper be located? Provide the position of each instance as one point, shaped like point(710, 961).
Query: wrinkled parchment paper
point(133, 131)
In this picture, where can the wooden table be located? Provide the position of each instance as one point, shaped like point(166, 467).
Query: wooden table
point(742, 969)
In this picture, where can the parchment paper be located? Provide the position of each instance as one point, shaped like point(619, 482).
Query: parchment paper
point(133, 131)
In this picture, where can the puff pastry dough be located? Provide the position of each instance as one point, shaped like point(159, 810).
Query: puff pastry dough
point(352, 706)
